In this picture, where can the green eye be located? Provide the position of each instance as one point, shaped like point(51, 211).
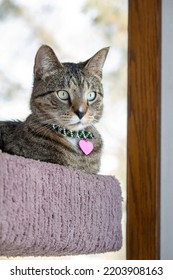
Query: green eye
point(91, 95)
point(63, 94)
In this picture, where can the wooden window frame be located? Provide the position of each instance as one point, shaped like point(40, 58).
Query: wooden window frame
point(144, 119)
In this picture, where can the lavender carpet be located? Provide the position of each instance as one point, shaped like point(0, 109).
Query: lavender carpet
point(51, 210)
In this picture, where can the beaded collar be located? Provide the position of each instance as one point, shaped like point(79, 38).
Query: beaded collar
point(81, 134)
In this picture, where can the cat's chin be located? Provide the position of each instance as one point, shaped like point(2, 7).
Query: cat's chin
point(77, 126)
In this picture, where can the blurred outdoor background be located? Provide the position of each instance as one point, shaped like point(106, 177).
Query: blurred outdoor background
point(76, 30)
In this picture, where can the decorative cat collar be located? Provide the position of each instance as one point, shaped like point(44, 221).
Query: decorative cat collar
point(85, 145)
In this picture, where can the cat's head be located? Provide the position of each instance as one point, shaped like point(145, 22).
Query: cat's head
point(67, 94)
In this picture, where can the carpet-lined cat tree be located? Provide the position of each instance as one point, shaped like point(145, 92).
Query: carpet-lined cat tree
point(51, 210)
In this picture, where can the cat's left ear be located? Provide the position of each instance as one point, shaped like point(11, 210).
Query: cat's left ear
point(95, 64)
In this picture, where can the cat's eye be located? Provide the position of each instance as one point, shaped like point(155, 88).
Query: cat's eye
point(63, 95)
point(91, 95)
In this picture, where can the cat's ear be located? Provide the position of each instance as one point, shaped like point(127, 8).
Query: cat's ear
point(45, 62)
point(94, 65)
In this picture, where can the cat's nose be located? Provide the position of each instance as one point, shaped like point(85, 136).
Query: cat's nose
point(80, 113)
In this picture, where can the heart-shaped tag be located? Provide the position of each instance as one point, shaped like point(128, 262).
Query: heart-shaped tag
point(86, 146)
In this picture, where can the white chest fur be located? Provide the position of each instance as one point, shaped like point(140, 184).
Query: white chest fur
point(73, 141)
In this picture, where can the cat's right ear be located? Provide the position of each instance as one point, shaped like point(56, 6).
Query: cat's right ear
point(46, 62)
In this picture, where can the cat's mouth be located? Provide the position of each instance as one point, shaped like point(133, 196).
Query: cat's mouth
point(77, 124)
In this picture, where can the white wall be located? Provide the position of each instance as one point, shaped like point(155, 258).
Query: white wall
point(167, 132)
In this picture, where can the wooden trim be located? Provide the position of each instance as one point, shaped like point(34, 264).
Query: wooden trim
point(144, 118)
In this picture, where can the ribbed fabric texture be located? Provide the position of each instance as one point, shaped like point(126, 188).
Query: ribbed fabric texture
point(51, 210)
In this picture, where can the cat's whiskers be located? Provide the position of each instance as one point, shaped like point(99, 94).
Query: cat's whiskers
point(72, 123)
point(41, 118)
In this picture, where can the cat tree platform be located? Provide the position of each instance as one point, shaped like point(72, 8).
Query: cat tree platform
point(51, 210)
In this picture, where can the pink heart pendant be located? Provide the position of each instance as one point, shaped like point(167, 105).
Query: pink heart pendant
point(86, 146)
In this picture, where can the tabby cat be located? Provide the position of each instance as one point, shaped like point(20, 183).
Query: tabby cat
point(66, 102)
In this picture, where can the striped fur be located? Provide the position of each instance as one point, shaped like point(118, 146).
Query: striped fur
point(34, 138)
